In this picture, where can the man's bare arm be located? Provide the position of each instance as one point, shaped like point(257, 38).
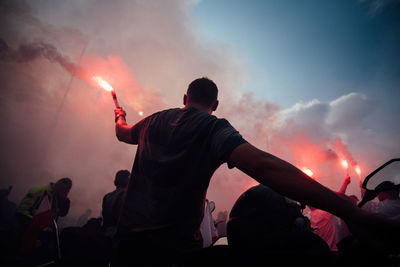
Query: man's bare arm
point(122, 129)
point(344, 186)
point(291, 182)
point(288, 180)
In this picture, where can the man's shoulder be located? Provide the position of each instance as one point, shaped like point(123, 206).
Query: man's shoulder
point(166, 111)
point(114, 193)
point(180, 115)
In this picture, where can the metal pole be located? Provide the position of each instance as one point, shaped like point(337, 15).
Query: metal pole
point(58, 239)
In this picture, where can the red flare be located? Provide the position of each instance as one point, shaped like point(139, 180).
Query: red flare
point(307, 171)
point(106, 86)
point(358, 170)
point(344, 163)
point(102, 83)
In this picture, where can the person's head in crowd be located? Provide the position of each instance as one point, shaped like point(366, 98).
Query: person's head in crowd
point(388, 191)
point(62, 187)
point(122, 179)
point(202, 93)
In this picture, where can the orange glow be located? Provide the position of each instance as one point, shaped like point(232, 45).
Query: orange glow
point(344, 163)
point(307, 171)
point(102, 83)
point(358, 170)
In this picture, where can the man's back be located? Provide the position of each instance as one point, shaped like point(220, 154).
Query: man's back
point(178, 151)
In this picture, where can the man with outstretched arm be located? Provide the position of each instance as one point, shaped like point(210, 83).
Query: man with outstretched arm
point(178, 152)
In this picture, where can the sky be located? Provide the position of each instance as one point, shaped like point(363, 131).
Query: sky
point(312, 82)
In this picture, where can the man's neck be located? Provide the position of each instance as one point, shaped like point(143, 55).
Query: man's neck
point(199, 107)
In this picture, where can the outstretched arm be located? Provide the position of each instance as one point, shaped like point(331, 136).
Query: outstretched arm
point(288, 180)
point(291, 182)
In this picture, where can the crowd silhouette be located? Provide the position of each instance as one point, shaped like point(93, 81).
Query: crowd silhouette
point(262, 223)
point(159, 215)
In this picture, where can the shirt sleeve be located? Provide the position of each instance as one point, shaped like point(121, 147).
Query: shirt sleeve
point(225, 140)
point(135, 131)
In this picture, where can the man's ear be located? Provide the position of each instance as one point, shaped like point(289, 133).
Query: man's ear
point(185, 99)
point(215, 105)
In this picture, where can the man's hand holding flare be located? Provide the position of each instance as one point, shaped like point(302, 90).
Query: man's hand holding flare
point(119, 113)
point(122, 129)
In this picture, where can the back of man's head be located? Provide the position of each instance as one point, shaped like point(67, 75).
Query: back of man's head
point(122, 178)
point(203, 91)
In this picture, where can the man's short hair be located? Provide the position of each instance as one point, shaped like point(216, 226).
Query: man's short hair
point(203, 91)
point(122, 178)
point(66, 181)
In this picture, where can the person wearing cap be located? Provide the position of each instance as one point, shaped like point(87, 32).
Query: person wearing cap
point(389, 200)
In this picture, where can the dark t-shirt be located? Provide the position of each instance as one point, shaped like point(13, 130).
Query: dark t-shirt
point(178, 152)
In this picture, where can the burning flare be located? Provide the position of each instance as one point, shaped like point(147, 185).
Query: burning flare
point(307, 171)
point(106, 86)
point(344, 163)
point(358, 170)
point(102, 83)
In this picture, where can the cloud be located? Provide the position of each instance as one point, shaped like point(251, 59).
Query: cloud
point(342, 117)
point(316, 134)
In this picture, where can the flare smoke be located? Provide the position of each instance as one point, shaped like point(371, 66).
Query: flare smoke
point(33, 51)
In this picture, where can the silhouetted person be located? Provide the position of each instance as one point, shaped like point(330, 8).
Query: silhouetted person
point(36, 212)
point(111, 210)
point(58, 198)
point(84, 246)
point(325, 224)
point(178, 151)
point(389, 200)
point(356, 253)
point(264, 224)
point(112, 202)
